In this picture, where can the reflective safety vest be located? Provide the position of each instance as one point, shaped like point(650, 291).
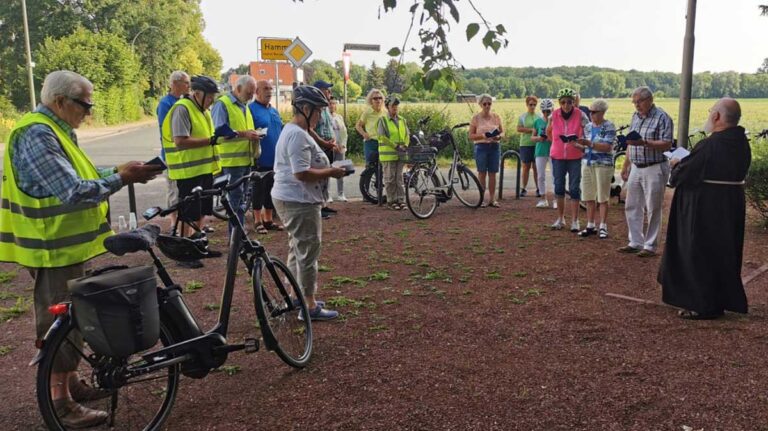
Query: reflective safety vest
point(45, 232)
point(191, 162)
point(236, 152)
point(397, 135)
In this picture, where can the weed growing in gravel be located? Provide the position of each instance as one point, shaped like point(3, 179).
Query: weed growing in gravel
point(324, 268)
point(402, 234)
point(211, 306)
point(515, 300)
point(533, 292)
point(229, 370)
point(520, 274)
point(6, 276)
point(17, 309)
point(377, 328)
point(493, 275)
point(407, 292)
point(389, 301)
point(467, 292)
point(437, 275)
point(340, 280)
point(4, 350)
point(193, 285)
point(343, 301)
point(409, 261)
point(464, 278)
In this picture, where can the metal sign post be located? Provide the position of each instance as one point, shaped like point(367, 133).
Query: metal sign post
point(346, 57)
point(273, 49)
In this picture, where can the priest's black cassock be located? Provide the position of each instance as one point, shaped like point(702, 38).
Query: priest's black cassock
point(701, 265)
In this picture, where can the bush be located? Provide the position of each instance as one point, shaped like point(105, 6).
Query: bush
point(757, 181)
point(8, 117)
point(149, 106)
point(117, 105)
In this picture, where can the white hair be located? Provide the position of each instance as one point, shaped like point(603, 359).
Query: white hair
point(483, 97)
point(177, 75)
point(64, 83)
point(244, 80)
point(644, 92)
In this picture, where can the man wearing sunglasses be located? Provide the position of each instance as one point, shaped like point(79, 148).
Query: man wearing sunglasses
point(54, 217)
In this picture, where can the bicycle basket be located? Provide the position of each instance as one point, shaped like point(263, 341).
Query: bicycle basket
point(420, 154)
point(116, 309)
point(440, 140)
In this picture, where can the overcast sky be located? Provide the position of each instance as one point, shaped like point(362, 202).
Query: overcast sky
point(623, 34)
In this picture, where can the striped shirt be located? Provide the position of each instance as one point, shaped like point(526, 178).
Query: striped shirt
point(324, 127)
point(602, 134)
point(43, 169)
point(656, 126)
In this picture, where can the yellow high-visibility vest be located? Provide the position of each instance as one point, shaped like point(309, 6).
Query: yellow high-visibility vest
point(236, 152)
point(397, 136)
point(191, 162)
point(45, 232)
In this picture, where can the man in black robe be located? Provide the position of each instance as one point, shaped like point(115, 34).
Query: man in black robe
point(701, 267)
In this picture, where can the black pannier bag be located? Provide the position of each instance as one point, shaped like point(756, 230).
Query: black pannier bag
point(116, 309)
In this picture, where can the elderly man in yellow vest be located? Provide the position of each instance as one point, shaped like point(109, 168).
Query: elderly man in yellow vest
point(53, 217)
point(393, 137)
point(236, 154)
point(188, 140)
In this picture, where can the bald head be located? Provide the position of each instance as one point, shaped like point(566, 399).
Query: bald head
point(264, 91)
point(730, 110)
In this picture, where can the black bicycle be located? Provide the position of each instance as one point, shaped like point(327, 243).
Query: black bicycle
point(427, 187)
point(138, 390)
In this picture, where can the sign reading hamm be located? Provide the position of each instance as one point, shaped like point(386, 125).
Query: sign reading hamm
point(274, 49)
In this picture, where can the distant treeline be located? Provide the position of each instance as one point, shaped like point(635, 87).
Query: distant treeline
point(516, 82)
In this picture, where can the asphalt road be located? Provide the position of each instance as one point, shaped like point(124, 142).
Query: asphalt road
point(143, 143)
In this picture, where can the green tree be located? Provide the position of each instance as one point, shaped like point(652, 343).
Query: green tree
point(242, 69)
point(394, 80)
point(725, 84)
point(375, 78)
point(763, 67)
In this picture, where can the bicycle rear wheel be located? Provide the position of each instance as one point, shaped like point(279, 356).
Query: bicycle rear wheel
point(139, 403)
point(279, 303)
point(468, 189)
point(420, 193)
point(368, 185)
point(617, 184)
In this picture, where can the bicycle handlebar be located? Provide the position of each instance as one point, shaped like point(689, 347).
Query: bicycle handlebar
point(763, 134)
point(622, 128)
point(459, 126)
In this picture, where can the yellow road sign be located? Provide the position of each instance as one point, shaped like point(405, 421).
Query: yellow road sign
point(274, 49)
point(297, 52)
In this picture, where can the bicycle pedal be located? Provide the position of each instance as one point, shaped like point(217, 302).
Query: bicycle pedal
point(251, 345)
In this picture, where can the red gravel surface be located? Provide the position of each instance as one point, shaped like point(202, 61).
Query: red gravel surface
point(471, 320)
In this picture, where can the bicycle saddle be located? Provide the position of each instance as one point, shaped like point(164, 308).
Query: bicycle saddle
point(140, 239)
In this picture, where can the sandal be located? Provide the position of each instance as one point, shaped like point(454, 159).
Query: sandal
point(260, 229)
point(270, 225)
point(494, 204)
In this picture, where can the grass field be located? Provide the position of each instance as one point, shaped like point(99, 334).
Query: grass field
point(754, 111)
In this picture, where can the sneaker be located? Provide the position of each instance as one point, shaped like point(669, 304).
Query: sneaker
point(330, 210)
point(628, 249)
point(523, 193)
point(576, 226)
point(81, 392)
point(208, 229)
point(320, 314)
point(542, 204)
point(558, 225)
point(587, 232)
point(602, 233)
point(326, 214)
point(320, 304)
point(342, 198)
point(192, 264)
point(646, 253)
point(213, 254)
point(330, 199)
point(74, 415)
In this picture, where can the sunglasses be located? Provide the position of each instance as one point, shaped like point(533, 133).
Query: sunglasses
point(566, 102)
point(486, 104)
point(548, 111)
point(87, 106)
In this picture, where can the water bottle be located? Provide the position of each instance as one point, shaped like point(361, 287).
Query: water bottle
point(122, 226)
point(132, 223)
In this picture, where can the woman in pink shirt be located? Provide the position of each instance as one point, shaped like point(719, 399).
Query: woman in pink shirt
point(485, 130)
point(566, 131)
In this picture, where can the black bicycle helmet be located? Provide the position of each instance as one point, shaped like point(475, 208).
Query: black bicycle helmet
point(308, 95)
point(392, 100)
point(204, 84)
point(182, 249)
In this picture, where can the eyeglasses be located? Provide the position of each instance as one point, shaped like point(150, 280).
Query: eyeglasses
point(546, 111)
point(87, 106)
point(594, 112)
point(377, 98)
point(639, 101)
point(486, 104)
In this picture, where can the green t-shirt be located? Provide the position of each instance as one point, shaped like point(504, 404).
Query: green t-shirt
point(527, 120)
point(370, 119)
point(542, 148)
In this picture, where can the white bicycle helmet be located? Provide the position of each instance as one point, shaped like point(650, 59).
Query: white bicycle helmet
point(546, 105)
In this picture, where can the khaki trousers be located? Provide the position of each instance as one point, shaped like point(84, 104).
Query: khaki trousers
point(305, 230)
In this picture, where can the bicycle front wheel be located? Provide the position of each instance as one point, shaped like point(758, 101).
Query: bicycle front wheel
point(617, 184)
point(142, 402)
point(420, 193)
point(468, 188)
point(280, 307)
point(368, 186)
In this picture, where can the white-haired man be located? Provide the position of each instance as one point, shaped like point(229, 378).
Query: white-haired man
point(178, 86)
point(646, 171)
point(236, 154)
point(53, 217)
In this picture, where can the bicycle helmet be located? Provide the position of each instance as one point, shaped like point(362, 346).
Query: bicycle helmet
point(183, 249)
point(566, 92)
point(204, 84)
point(547, 105)
point(308, 95)
point(392, 100)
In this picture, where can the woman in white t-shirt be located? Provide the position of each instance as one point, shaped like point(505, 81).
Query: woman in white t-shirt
point(302, 171)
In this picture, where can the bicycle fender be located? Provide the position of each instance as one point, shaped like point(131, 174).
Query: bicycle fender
point(43, 347)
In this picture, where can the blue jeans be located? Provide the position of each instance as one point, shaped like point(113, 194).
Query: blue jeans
point(236, 196)
point(487, 157)
point(370, 147)
point(571, 167)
